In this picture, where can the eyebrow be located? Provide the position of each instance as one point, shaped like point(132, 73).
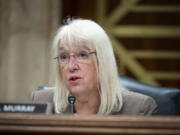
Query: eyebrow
point(80, 47)
point(85, 47)
point(61, 48)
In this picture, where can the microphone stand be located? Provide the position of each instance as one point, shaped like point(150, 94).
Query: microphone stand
point(71, 100)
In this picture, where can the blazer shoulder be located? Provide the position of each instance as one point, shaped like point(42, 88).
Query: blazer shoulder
point(137, 104)
point(43, 95)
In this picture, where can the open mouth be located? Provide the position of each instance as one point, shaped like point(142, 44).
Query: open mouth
point(74, 78)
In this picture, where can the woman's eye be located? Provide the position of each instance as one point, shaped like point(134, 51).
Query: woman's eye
point(64, 56)
point(83, 55)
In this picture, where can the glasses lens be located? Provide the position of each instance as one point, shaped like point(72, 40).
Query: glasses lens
point(81, 56)
point(64, 57)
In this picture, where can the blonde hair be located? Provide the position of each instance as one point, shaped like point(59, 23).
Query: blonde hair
point(107, 75)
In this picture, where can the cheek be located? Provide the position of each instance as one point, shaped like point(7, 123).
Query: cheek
point(64, 74)
point(92, 80)
point(90, 72)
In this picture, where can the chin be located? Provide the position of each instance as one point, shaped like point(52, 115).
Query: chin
point(76, 90)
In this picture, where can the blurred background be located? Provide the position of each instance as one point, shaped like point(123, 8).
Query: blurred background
point(145, 36)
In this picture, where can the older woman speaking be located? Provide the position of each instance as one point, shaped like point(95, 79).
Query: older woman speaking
point(86, 69)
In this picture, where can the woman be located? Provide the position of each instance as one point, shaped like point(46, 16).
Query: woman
point(86, 68)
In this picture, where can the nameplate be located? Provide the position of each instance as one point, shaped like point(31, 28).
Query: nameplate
point(25, 107)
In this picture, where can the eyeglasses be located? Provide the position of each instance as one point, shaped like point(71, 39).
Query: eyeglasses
point(81, 56)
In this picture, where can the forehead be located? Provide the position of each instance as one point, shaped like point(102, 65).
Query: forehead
point(74, 46)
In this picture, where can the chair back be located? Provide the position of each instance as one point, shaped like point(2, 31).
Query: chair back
point(167, 99)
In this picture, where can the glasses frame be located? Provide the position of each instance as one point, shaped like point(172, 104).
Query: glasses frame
point(72, 55)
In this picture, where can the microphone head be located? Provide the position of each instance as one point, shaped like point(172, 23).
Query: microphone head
point(71, 98)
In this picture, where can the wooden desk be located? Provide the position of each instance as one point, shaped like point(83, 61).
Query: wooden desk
point(88, 125)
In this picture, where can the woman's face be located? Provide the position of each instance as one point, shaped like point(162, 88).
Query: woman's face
point(78, 67)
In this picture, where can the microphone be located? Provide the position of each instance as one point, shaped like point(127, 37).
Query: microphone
point(71, 100)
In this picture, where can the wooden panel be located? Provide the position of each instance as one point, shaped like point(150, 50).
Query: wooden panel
point(145, 33)
point(109, 125)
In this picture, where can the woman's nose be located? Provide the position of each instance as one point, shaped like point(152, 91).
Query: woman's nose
point(72, 64)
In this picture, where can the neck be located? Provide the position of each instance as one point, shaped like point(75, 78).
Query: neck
point(88, 104)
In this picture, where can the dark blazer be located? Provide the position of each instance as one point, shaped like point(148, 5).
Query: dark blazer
point(133, 103)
